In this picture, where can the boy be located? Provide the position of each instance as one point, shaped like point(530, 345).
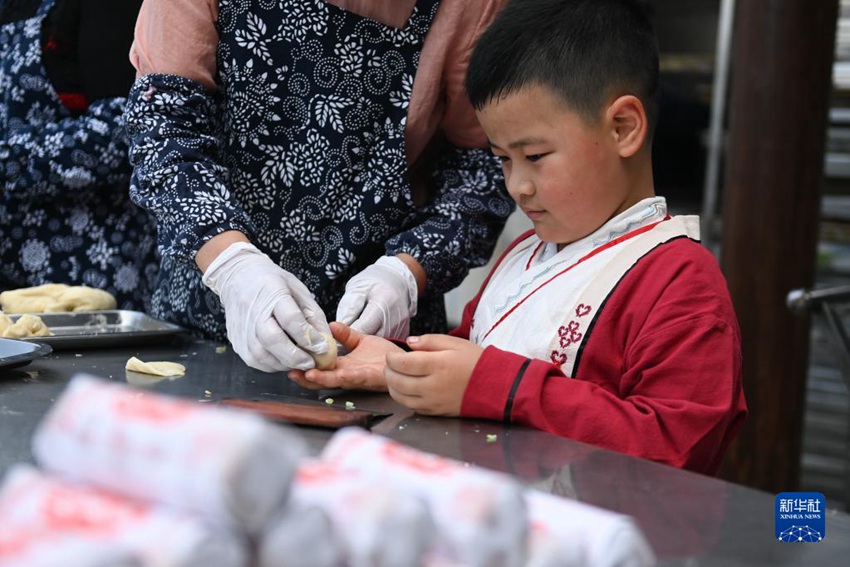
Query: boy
point(609, 323)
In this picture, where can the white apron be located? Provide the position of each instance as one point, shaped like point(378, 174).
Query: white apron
point(540, 302)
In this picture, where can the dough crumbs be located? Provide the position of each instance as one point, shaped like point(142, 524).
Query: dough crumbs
point(220, 349)
point(329, 401)
point(160, 368)
point(349, 405)
point(491, 437)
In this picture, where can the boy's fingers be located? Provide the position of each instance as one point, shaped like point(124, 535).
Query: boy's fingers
point(327, 378)
point(348, 337)
point(413, 403)
point(299, 378)
point(433, 342)
point(409, 363)
point(345, 378)
point(403, 388)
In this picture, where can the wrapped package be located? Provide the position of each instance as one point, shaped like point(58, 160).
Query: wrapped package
point(379, 525)
point(479, 514)
point(300, 535)
point(47, 522)
point(225, 465)
point(567, 533)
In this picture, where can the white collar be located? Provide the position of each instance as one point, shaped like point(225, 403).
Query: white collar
point(640, 214)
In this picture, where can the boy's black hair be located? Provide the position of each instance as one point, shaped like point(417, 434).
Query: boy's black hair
point(586, 51)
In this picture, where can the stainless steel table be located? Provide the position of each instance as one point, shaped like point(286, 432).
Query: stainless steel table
point(688, 518)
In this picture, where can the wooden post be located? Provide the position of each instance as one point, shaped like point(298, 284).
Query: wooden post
point(779, 101)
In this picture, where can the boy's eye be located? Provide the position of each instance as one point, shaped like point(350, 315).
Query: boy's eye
point(534, 157)
point(503, 159)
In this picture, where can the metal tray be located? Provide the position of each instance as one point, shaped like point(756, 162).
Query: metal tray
point(102, 328)
point(14, 352)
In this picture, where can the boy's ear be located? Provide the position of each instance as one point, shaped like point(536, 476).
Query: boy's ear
point(629, 127)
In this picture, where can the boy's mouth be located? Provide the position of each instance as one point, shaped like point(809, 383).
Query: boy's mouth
point(533, 214)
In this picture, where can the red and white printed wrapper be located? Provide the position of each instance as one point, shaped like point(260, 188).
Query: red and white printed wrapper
point(225, 465)
point(480, 514)
point(45, 522)
point(567, 533)
point(378, 524)
point(300, 536)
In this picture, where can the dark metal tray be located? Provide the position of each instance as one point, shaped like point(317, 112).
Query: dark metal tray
point(102, 328)
point(14, 352)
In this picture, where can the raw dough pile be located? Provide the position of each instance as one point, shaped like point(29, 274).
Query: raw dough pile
point(25, 326)
point(55, 298)
point(155, 368)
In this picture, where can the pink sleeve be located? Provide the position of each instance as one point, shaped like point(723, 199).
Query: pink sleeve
point(459, 121)
point(438, 100)
point(177, 37)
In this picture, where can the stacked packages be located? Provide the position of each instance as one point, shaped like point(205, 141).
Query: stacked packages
point(138, 479)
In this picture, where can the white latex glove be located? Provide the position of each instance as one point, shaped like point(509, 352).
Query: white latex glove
point(273, 322)
point(380, 300)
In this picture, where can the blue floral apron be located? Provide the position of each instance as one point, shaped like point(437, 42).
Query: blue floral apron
point(303, 150)
point(314, 119)
point(65, 212)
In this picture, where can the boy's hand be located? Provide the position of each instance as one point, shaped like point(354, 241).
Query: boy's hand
point(361, 369)
point(432, 379)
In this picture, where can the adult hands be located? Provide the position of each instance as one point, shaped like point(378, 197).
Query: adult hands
point(432, 379)
point(361, 369)
point(273, 322)
point(380, 300)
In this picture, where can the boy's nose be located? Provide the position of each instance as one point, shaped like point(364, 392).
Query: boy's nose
point(519, 187)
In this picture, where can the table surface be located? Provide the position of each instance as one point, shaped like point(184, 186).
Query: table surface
point(689, 519)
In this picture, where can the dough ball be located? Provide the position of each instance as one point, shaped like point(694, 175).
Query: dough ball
point(327, 360)
point(155, 368)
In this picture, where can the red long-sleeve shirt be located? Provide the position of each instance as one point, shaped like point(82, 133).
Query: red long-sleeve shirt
point(659, 374)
